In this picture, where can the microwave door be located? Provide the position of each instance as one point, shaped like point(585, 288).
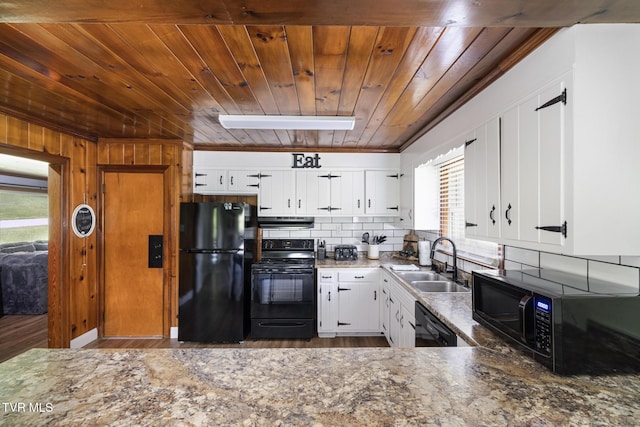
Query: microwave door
point(526, 319)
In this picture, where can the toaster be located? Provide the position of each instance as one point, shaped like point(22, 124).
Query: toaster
point(345, 253)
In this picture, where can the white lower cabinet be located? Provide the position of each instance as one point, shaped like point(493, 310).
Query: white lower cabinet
point(348, 302)
point(397, 313)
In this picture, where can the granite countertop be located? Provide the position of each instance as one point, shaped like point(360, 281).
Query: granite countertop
point(386, 258)
point(330, 387)
point(486, 384)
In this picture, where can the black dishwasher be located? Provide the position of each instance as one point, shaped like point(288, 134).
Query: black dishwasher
point(430, 331)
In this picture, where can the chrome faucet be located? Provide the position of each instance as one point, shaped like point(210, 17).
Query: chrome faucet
point(454, 276)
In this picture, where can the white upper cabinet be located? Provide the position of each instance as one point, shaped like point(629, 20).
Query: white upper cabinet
point(243, 181)
point(482, 181)
point(336, 192)
point(208, 180)
point(382, 192)
point(277, 195)
point(217, 181)
point(347, 192)
point(533, 170)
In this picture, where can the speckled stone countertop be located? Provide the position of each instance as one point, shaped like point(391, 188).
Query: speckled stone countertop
point(304, 387)
point(489, 384)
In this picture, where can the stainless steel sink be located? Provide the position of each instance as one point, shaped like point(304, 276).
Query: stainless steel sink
point(437, 286)
point(411, 276)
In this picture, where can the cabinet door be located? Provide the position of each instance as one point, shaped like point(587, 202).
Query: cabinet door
point(394, 320)
point(382, 190)
point(407, 327)
point(528, 170)
point(509, 174)
point(474, 173)
point(277, 193)
point(209, 180)
point(492, 209)
point(358, 307)
point(323, 194)
point(347, 193)
point(552, 142)
point(307, 193)
point(327, 308)
point(243, 181)
point(384, 311)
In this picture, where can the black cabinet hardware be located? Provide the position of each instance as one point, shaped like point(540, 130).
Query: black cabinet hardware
point(394, 208)
point(470, 224)
point(343, 324)
point(555, 228)
point(358, 203)
point(200, 174)
point(491, 213)
point(471, 141)
point(560, 98)
point(329, 176)
point(253, 185)
point(220, 179)
point(299, 203)
point(263, 208)
point(329, 296)
point(375, 295)
point(200, 185)
point(231, 179)
point(358, 277)
point(393, 176)
point(343, 289)
point(288, 203)
point(369, 202)
point(507, 214)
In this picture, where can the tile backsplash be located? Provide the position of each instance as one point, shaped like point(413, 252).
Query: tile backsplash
point(347, 231)
point(624, 270)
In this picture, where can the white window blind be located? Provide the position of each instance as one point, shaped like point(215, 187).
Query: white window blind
point(452, 198)
point(452, 221)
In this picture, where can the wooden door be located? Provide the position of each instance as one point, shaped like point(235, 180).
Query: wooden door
point(133, 292)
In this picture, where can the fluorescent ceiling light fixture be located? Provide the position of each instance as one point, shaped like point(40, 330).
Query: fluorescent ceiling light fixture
point(287, 122)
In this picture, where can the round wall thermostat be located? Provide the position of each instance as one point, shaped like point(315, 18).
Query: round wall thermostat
point(83, 220)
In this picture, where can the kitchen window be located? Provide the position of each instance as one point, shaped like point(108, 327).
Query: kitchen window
point(440, 206)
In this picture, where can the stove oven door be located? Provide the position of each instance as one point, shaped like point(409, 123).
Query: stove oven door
point(282, 303)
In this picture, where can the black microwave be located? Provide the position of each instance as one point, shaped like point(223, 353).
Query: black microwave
point(568, 323)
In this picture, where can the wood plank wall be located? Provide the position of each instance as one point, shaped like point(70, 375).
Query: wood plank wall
point(167, 154)
point(72, 261)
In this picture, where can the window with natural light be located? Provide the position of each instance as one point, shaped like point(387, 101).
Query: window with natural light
point(23, 217)
point(441, 205)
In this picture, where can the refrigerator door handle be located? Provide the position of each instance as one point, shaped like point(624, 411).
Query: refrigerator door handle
point(212, 251)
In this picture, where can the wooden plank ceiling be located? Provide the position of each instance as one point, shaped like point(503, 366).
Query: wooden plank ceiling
point(142, 69)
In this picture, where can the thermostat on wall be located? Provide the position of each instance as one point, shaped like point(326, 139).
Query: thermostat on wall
point(83, 220)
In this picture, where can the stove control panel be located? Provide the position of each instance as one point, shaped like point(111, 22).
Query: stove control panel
point(287, 244)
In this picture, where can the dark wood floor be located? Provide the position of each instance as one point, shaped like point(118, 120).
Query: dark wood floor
point(378, 341)
point(21, 333)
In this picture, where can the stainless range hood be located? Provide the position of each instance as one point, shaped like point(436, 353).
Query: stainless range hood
point(286, 222)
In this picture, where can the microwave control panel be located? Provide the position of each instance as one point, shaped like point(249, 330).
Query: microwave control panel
point(543, 325)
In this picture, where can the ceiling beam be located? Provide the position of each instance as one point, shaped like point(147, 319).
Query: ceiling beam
point(428, 13)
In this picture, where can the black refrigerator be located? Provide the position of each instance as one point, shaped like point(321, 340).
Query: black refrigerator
point(216, 250)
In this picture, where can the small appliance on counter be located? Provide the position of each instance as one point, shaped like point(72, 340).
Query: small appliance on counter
point(345, 253)
point(570, 324)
